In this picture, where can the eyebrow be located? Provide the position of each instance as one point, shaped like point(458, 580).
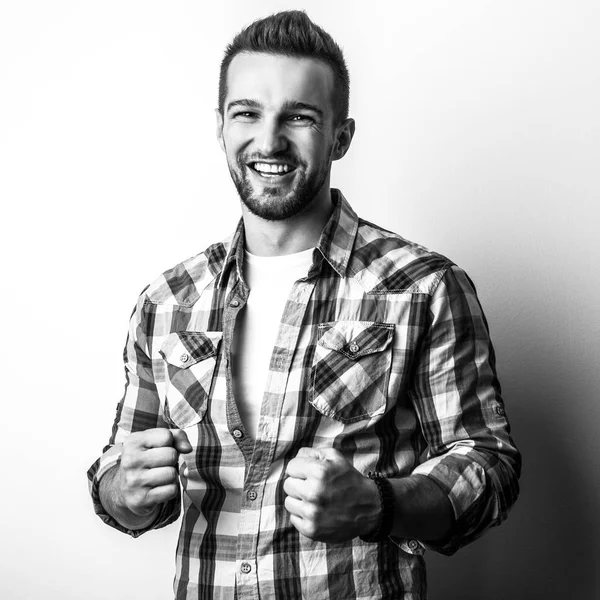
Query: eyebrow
point(292, 105)
point(245, 102)
point(289, 105)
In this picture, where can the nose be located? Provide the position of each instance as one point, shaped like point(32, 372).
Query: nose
point(271, 138)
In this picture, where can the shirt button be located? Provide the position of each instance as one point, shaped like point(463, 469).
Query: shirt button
point(252, 495)
point(184, 358)
point(354, 347)
point(234, 303)
point(246, 567)
point(237, 433)
point(413, 544)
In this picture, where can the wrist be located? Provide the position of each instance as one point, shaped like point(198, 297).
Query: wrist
point(381, 528)
point(372, 512)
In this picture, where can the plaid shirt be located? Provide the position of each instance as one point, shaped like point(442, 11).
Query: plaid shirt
point(383, 353)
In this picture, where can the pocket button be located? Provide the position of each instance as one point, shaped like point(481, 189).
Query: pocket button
point(184, 358)
point(354, 347)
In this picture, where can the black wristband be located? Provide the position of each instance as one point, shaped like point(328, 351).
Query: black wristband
point(386, 518)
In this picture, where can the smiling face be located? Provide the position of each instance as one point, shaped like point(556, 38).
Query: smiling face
point(278, 133)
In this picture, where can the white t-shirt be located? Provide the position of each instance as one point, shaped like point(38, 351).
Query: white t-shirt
point(270, 279)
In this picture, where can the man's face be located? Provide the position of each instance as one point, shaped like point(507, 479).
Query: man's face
point(277, 131)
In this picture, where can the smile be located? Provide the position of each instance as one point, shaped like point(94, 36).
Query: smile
point(271, 170)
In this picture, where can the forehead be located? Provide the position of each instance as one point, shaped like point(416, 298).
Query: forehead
point(273, 80)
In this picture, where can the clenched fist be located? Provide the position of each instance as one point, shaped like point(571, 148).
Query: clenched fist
point(146, 477)
point(327, 498)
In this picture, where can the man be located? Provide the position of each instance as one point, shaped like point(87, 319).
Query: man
point(323, 389)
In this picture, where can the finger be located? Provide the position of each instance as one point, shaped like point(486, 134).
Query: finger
point(303, 526)
point(161, 494)
point(151, 438)
point(321, 454)
point(304, 468)
point(331, 454)
point(181, 441)
point(160, 457)
point(294, 506)
point(154, 478)
point(309, 453)
point(293, 487)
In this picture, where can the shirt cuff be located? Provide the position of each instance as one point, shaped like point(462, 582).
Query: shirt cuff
point(467, 486)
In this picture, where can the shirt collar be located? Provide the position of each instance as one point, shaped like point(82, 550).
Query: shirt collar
point(335, 244)
point(337, 240)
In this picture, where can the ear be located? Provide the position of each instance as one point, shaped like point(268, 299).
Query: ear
point(344, 135)
point(220, 128)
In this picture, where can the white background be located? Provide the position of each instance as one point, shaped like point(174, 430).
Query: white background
point(478, 134)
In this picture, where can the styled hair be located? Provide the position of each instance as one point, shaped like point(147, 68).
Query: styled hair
point(291, 33)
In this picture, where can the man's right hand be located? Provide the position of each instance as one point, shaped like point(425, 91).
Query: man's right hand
point(146, 477)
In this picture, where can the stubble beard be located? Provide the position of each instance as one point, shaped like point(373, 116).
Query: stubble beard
point(273, 204)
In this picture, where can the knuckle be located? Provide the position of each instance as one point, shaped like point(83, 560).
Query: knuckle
point(128, 460)
point(310, 529)
point(165, 437)
point(312, 513)
point(320, 471)
point(315, 493)
point(136, 500)
point(132, 480)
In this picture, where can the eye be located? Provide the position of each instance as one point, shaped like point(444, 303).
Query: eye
point(244, 115)
point(300, 119)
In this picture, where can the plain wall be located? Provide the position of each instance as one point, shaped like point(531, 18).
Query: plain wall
point(478, 135)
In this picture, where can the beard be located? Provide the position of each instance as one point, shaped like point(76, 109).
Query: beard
point(275, 203)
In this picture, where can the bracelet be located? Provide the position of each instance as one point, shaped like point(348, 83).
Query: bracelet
point(386, 518)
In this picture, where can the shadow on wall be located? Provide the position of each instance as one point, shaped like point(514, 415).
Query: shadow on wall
point(546, 549)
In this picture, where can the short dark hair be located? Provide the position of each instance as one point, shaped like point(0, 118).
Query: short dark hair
point(291, 33)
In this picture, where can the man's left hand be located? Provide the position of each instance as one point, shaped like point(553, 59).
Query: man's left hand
point(327, 498)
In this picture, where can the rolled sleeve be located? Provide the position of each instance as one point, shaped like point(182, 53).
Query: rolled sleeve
point(139, 409)
point(457, 396)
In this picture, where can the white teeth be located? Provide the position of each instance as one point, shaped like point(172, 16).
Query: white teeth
point(269, 168)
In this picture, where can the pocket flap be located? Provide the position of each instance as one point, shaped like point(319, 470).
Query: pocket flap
point(355, 338)
point(185, 348)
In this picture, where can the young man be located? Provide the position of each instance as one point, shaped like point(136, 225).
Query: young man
point(323, 389)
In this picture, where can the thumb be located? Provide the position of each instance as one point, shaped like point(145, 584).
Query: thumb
point(181, 443)
point(315, 453)
point(332, 454)
point(321, 454)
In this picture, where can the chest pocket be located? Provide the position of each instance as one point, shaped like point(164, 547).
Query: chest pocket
point(191, 357)
point(351, 369)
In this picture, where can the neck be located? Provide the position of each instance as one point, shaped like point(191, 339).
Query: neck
point(298, 233)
